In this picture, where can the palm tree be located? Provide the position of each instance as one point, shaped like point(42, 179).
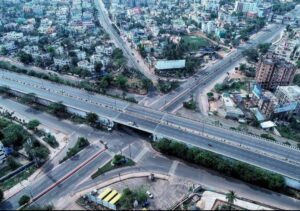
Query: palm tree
point(231, 197)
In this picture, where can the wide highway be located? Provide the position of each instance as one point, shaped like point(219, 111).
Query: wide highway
point(254, 150)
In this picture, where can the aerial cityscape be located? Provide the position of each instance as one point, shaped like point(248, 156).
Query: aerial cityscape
point(150, 105)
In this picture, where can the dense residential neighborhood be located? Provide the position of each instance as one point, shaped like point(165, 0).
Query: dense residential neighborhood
point(149, 105)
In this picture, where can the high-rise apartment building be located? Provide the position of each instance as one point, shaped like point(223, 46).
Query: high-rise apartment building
point(272, 72)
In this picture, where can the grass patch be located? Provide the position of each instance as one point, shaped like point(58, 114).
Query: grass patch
point(5, 170)
point(17, 179)
point(108, 167)
point(194, 42)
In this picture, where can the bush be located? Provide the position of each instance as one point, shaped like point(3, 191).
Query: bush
point(51, 140)
point(12, 163)
point(190, 105)
point(267, 136)
point(33, 124)
point(24, 200)
point(167, 86)
point(227, 166)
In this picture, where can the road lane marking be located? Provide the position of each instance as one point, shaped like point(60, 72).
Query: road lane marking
point(67, 176)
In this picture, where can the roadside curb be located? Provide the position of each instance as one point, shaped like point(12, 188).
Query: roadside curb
point(67, 176)
point(117, 179)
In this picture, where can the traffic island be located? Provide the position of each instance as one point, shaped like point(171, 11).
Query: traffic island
point(118, 161)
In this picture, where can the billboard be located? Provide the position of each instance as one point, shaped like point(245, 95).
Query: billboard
point(286, 107)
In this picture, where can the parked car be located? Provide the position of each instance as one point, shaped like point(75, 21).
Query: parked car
point(149, 194)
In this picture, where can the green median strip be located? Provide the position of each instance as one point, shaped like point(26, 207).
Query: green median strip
point(80, 145)
point(118, 161)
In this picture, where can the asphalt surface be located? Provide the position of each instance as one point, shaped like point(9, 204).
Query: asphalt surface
point(150, 162)
point(239, 146)
point(55, 175)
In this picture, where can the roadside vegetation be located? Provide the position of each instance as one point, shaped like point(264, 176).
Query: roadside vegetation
point(126, 202)
point(227, 166)
point(14, 136)
point(268, 136)
point(100, 86)
point(291, 131)
point(9, 183)
point(167, 86)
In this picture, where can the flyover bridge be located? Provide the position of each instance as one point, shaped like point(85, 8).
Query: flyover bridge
point(275, 157)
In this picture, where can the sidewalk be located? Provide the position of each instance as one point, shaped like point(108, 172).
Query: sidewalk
point(102, 184)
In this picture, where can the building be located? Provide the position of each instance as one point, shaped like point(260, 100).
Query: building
point(245, 6)
point(272, 72)
point(211, 5)
point(232, 111)
point(208, 27)
point(267, 104)
point(289, 98)
point(170, 64)
point(86, 65)
point(2, 153)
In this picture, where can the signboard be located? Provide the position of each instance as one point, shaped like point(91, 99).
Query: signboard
point(286, 107)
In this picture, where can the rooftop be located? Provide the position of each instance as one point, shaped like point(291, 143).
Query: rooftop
point(292, 92)
point(170, 64)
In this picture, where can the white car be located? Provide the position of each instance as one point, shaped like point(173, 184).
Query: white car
point(149, 194)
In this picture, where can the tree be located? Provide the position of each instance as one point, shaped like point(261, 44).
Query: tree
point(98, 66)
point(142, 50)
point(118, 160)
point(4, 90)
point(82, 142)
point(243, 67)
point(25, 57)
point(147, 83)
point(29, 98)
point(297, 79)
point(251, 54)
point(13, 135)
point(1, 195)
point(33, 124)
point(12, 163)
point(24, 200)
point(91, 118)
point(141, 195)
point(298, 63)
point(37, 153)
point(121, 81)
point(3, 51)
point(58, 108)
point(264, 47)
point(231, 197)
